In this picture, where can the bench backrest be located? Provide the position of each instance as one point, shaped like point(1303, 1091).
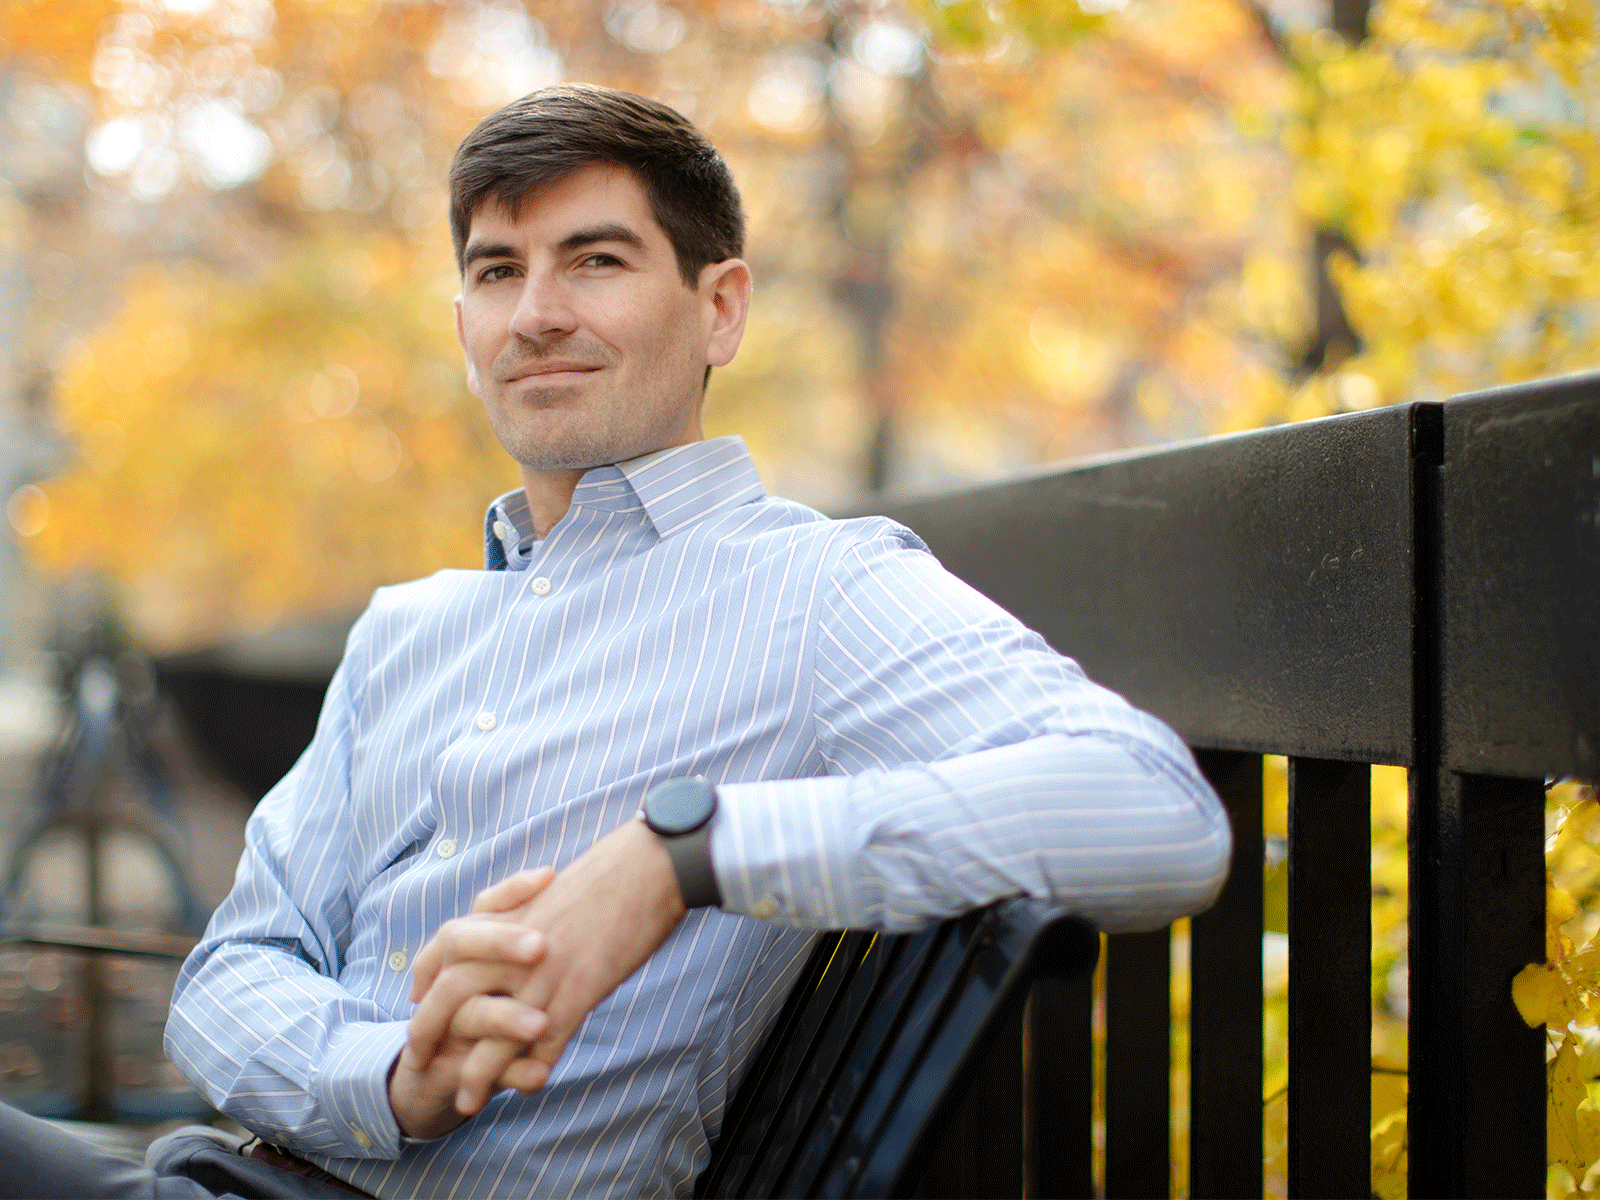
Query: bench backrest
point(865, 1070)
point(1417, 585)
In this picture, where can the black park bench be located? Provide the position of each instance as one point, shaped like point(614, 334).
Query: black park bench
point(1417, 585)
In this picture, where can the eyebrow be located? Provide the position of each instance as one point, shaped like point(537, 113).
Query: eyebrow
point(573, 241)
point(600, 233)
point(477, 250)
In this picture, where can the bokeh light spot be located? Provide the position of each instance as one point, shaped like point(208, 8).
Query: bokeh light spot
point(28, 510)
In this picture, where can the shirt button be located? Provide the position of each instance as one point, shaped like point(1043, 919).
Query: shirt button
point(764, 908)
point(540, 586)
point(486, 721)
point(398, 961)
point(447, 848)
point(500, 530)
point(363, 1140)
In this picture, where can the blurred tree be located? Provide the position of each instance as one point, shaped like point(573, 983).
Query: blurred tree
point(62, 33)
point(942, 291)
point(1457, 150)
point(986, 233)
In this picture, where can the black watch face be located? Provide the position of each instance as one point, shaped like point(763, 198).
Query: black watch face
point(679, 806)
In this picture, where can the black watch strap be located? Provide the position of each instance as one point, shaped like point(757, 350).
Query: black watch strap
point(691, 862)
point(679, 812)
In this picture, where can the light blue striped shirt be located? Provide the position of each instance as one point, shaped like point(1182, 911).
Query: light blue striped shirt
point(890, 747)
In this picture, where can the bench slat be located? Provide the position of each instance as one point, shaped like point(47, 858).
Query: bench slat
point(866, 1069)
point(1060, 1105)
point(866, 1079)
point(981, 1151)
point(788, 1049)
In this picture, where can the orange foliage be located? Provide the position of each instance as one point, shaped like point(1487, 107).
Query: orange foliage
point(61, 32)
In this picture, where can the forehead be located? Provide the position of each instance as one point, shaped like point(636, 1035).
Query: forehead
point(589, 197)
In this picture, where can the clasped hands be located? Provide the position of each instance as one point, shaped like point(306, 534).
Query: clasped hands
point(501, 991)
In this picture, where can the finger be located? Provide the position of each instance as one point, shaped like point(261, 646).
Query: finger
point(484, 1065)
point(449, 991)
point(455, 986)
point(498, 1017)
point(514, 890)
point(480, 938)
point(526, 1075)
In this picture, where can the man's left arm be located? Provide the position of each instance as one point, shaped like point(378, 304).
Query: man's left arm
point(967, 762)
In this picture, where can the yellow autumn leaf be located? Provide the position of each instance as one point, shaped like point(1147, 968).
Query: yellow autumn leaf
point(1587, 1063)
point(1559, 908)
point(1537, 990)
point(1389, 1156)
point(1571, 1138)
point(1388, 1090)
point(1586, 961)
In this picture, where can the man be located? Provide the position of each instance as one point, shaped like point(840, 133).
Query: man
point(825, 730)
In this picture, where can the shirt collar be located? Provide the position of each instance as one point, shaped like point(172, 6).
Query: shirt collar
point(675, 487)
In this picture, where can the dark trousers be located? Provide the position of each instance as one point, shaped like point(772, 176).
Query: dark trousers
point(39, 1160)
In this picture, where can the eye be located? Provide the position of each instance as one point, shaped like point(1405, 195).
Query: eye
point(600, 260)
point(496, 273)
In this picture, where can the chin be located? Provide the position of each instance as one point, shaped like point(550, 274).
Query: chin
point(568, 455)
point(558, 444)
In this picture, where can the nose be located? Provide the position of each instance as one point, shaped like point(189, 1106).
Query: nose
point(544, 308)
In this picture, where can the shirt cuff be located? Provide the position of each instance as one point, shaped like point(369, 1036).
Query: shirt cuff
point(352, 1089)
point(781, 852)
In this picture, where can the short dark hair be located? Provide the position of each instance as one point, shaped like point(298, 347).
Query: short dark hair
point(549, 134)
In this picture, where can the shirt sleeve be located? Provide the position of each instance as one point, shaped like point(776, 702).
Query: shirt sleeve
point(967, 762)
point(259, 1022)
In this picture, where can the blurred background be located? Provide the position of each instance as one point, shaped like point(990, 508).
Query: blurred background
point(987, 236)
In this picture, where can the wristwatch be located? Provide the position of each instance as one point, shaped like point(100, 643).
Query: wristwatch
point(679, 812)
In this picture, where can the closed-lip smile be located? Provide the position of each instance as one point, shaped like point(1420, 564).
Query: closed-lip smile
point(549, 368)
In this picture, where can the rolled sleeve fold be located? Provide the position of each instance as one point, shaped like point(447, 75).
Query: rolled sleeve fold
point(782, 853)
point(352, 1091)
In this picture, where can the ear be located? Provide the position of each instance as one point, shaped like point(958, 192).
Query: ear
point(725, 292)
point(461, 336)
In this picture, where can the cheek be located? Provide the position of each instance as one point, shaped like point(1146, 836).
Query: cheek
point(663, 326)
point(476, 342)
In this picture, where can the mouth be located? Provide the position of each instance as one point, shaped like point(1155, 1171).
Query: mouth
point(551, 373)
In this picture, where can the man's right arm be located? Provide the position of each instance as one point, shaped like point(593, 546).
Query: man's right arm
point(260, 1023)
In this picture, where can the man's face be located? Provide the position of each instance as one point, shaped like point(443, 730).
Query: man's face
point(581, 338)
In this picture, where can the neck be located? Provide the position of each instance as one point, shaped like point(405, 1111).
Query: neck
point(550, 492)
point(549, 496)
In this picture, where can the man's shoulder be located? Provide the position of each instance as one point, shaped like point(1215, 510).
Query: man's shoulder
point(778, 520)
point(396, 607)
point(452, 584)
